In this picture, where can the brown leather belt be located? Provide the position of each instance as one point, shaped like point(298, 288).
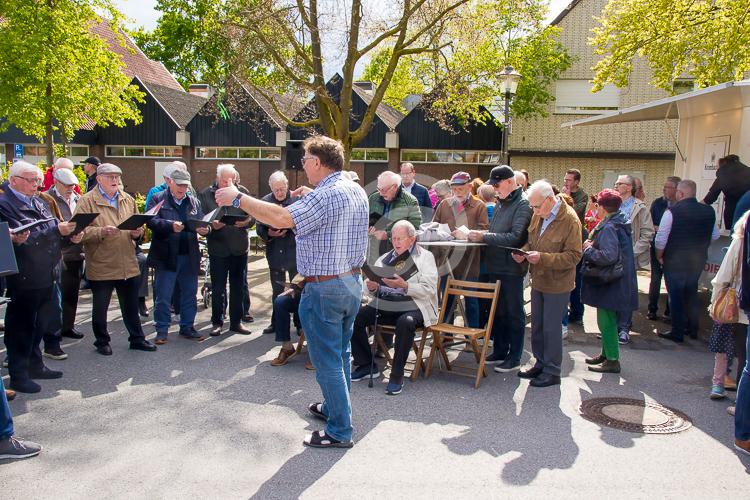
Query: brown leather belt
point(328, 277)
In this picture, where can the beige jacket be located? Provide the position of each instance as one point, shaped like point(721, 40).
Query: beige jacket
point(108, 258)
point(725, 276)
point(560, 249)
point(422, 286)
point(643, 234)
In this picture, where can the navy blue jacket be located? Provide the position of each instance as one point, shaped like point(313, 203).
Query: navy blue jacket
point(612, 239)
point(39, 257)
point(281, 253)
point(690, 237)
point(165, 243)
point(420, 193)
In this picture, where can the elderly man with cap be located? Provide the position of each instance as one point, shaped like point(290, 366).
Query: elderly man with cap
point(175, 255)
point(64, 195)
point(90, 165)
point(110, 258)
point(60, 163)
point(462, 209)
point(33, 291)
point(167, 174)
point(508, 229)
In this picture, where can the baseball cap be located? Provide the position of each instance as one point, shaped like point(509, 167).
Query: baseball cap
point(180, 177)
point(460, 178)
point(93, 160)
point(500, 173)
point(65, 176)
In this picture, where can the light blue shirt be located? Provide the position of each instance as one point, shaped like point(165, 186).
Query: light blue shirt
point(112, 201)
point(553, 213)
point(23, 197)
point(627, 208)
point(665, 227)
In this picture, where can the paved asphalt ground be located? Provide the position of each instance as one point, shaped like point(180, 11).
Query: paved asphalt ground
point(216, 420)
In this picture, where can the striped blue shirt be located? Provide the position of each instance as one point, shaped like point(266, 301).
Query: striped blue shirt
point(331, 225)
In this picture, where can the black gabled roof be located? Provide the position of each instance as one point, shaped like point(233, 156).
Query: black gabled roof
point(181, 106)
point(564, 13)
point(417, 131)
point(390, 115)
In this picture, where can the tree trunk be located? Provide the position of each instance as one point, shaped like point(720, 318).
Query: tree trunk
point(49, 141)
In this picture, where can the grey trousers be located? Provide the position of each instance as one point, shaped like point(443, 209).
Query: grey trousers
point(546, 329)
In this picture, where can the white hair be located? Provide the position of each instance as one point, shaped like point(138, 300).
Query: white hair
point(63, 163)
point(542, 188)
point(224, 168)
point(390, 177)
point(521, 179)
point(277, 176)
point(442, 186)
point(21, 167)
point(404, 224)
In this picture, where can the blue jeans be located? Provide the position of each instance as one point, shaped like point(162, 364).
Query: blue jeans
point(283, 307)
point(742, 408)
point(327, 311)
point(6, 419)
point(164, 283)
point(509, 324)
point(682, 290)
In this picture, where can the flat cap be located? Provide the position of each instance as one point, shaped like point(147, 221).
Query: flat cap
point(108, 168)
point(180, 177)
point(65, 176)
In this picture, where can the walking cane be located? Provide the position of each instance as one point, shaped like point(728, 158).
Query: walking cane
point(374, 336)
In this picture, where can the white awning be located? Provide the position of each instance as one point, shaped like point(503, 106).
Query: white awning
point(722, 97)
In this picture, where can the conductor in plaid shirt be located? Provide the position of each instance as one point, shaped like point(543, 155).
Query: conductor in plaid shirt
point(330, 223)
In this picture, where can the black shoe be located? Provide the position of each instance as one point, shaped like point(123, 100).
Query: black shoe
point(575, 321)
point(54, 353)
point(248, 318)
point(316, 410)
point(545, 380)
point(72, 334)
point(530, 373)
point(27, 386)
point(143, 308)
point(494, 359)
point(45, 374)
point(670, 336)
point(651, 315)
point(321, 439)
point(606, 367)
point(241, 329)
point(269, 329)
point(693, 335)
point(507, 366)
point(104, 350)
point(143, 345)
point(597, 360)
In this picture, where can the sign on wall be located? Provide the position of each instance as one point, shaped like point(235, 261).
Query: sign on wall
point(18, 151)
point(716, 147)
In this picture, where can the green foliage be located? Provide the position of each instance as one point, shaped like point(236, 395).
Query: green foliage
point(140, 203)
point(55, 74)
point(187, 40)
point(81, 176)
point(709, 39)
point(405, 80)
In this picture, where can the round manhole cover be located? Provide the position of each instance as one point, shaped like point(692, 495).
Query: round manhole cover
point(635, 415)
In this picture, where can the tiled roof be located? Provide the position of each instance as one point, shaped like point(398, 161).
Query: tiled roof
point(136, 62)
point(390, 115)
point(180, 105)
point(288, 104)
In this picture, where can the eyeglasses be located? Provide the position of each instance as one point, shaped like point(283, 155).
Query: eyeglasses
point(110, 177)
point(621, 183)
point(30, 180)
point(386, 189)
point(305, 158)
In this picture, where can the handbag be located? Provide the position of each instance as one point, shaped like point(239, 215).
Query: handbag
point(726, 308)
point(602, 274)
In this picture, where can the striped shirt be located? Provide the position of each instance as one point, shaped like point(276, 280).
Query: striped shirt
point(331, 225)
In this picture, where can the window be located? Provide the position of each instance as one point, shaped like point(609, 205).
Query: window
point(239, 153)
point(35, 153)
point(575, 97)
point(2, 155)
point(466, 157)
point(683, 86)
point(143, 151)
point(359, 154)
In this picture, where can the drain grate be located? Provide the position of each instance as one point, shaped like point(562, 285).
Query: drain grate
point(635, 415)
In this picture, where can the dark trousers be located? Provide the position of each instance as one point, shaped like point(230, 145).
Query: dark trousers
point(285, 306)
point(6, 418)
point(278, 278)
point(231, 268)
point(740, 341)
point(509, 323)
point(406, 324)
point(654, 287)
point(682, 290)
point(127, 295)
point(24, 329)
point(50, 317)
point(742, 407)
point(143, 266)
point(576, 306)
point(70, 284)
point(245, 293)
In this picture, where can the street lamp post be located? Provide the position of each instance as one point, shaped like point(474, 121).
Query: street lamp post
point(508, 85)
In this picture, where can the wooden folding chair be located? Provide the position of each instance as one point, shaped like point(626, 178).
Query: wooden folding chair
point(420, 339)
point(464, 335)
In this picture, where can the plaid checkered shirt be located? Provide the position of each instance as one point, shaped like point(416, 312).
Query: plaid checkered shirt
point(331, 225)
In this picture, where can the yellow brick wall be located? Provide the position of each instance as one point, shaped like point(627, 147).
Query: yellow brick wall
point(545, 134)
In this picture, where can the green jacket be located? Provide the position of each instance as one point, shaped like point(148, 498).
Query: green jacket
point(403, 207)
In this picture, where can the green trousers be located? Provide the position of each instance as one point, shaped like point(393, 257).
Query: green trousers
point(607, 321)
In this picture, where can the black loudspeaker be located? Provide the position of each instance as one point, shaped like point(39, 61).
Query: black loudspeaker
point(294, 154)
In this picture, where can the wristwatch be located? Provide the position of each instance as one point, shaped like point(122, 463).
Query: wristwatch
point(236, 200)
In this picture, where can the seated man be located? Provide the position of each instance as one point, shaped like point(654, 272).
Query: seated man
point(284, 305)
point(405, 304)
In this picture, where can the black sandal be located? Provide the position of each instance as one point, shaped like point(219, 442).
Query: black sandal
point(320, 439)
point(316, 409)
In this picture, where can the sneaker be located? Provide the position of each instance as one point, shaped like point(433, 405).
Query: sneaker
point(363, 372)
point(730, 410)
point(565, 332)
point(393, 389)
point(493, 359)
point(190, 334)
point(13, 449)
point(54, 353)
point(717, 392)
point(507, 366)
point(623, 338)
